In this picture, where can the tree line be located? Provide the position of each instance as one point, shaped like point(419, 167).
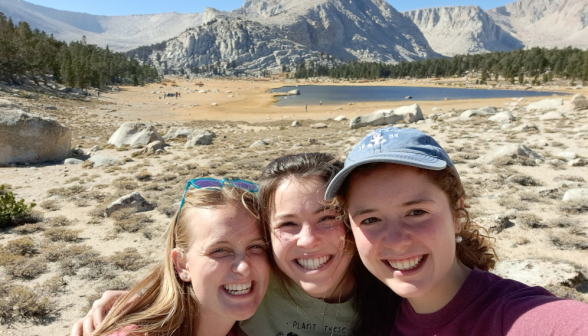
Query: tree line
point(32, 54)
point(536, 64)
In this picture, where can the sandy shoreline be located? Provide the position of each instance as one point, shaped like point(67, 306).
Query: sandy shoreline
point(250, 101)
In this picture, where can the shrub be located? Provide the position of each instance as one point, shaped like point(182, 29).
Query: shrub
point(574, 178)
point(53, 285)
point(12, 212)
point(51, 205)
point(129, 259)
point(143, 176)
point(512, 203)
point(132, 224)
point(61, 234)
point(564, 222)
point(27, 268)
point(529, 220)
point(21, 246)
point(122, 214)
point(22, 302)
point(524, 180)
point(59, 221)
point(528, 196)
point(574, 207)
point(29, 228)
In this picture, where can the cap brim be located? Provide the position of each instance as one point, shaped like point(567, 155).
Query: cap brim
point(408, 159)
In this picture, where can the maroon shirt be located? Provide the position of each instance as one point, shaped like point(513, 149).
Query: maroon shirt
point(486, 304)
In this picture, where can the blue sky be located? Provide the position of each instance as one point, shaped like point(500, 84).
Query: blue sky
point(126, 7)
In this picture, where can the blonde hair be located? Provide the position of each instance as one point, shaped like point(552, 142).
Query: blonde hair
point(166, 304)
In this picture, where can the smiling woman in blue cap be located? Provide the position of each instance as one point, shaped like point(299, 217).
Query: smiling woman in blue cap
point(406, 207)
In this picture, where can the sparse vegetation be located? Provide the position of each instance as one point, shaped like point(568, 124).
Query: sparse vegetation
point(51, 205)
point(13, 212)
point(128, 260)
point(573, 207)
point(61, 234)
point(18, 303)
point(529, 220)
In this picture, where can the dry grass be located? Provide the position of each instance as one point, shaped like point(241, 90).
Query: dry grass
point(18, 303)
point(50, 205)
point(128, 260)
point(524, 180)
point(61, 234)
point(574, 178)
point(21, 246)
point(59, 221)
point(143, 176)
point(132, 224)
point(513, 203)
point(29, 228)
point(27, 268)
point(529, 220)
point(573, 207)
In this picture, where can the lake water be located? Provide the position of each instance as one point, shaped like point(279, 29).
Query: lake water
point(334, 94)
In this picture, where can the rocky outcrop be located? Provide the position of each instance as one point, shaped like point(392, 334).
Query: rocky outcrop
point(545, 23)
point(545, 104)
point(132, 201)
point(513, 151)
point(462, 30)
point(134, 133)
point(408, 114)
point(29, 138)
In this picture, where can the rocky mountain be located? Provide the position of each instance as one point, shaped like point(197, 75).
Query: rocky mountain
point(120, 33)
point(229, 46)
point(462, 30)
point(545, 23)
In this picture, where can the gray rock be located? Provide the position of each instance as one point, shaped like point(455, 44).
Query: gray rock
point(408, 114)
point(178, 132)
point(510, 150)
point(318, 125)
point(294, 92)
point(484, 111)
point(580, 194)
point(100, 161)
point(131, 201)
point(72, 161)
point(95, 148)
point(134, 133)
point(50, 107)
point(340, 118)
point(511, 214)
point(502, 117)
point(567, 155)
point(203, 138)
point(500, 223)
point(543, 192)
point(553, 115)
point(29, 138)
point(153, 147)
point(536, 272)
point(546, 104)
point(295, 123)
point(579, 102)
point(8, 105)
point(259, 143)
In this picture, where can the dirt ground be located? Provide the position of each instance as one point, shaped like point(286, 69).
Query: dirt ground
point(74, 252)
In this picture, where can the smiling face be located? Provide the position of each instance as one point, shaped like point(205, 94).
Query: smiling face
point(308, 241)
point(226, 261)
point(405, 232)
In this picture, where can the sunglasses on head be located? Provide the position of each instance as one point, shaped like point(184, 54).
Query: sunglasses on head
point(212, 183)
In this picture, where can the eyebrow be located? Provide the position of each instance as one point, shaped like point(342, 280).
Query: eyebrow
point(290, 215)
point(409, 203)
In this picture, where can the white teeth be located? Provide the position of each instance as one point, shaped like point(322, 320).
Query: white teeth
point(238, 289)
point(312, 264)
point(406, 264)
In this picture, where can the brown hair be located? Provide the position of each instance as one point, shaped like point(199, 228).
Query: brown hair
point(372, 300)
point(167, 305)
point(476, 249)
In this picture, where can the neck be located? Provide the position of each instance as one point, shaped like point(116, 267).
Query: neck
point(211, 324)
point(340, 293)
point(443, 293)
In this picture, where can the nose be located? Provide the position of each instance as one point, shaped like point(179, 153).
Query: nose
point(307, 238)
point(396, 237)
point(241, 266)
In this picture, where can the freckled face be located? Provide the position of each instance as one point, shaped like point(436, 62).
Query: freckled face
point(308, 241)
point(404, 229)
point(227, 261)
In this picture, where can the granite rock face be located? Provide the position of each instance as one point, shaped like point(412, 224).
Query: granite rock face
point(408, 114)
point(30, 138)
point(462, 30)
point(134, 133)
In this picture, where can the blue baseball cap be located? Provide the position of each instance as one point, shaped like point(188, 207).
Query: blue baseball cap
point(406, 146)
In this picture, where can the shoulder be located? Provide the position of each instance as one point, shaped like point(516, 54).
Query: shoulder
point(544, 315)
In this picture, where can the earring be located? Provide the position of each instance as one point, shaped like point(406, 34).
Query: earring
point(458, 239)
point(186, 277)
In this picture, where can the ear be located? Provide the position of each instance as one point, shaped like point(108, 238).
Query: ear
point(180, 264)
point(457, 222)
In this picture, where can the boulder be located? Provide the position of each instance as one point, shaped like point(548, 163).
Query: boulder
point(579, 102)
point(178, 132)
point(318, 125)
point(567, 155)
point(536, 272)
point(134, 133)
point(546, 104)
point(340, 118)
point(408, 114)
point(296, 123)
point(579, 194)
point(553, 115)
point(502, 117)
point(510, 150)
point(203, 138)
point(29, 138)
point(72, 161)
point(99, 161)
point(259, 143)
point(294, 92)
point(131, 201)
point(153, 147)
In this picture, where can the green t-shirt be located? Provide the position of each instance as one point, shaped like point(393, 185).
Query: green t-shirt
point(278, 315)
